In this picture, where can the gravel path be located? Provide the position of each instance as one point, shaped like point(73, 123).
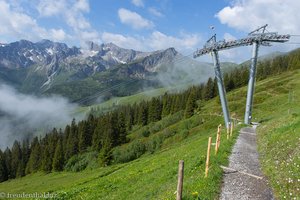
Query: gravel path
point(244, 158)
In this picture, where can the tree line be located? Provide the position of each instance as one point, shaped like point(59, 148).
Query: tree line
point(102, 133)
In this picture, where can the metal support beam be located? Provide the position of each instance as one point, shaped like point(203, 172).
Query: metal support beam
point(222, 92)
point(258, 37)
point(251, 83)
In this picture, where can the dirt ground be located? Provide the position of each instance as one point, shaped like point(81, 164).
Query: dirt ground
point(244, 179)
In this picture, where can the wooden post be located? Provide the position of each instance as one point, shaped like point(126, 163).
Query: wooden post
point(218, 139)
point(207, 157)
point(219, 131)
point(216, 147)
point(228, 129)
point(180, 180)
point(231, 128)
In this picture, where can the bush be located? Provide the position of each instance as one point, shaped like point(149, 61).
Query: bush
point(146, 133)
point(82, 161)
point(154, 143)
point(129, 152)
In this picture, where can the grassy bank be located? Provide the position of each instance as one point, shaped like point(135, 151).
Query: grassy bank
point(279, 135)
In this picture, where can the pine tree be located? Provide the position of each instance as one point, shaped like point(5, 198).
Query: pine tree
point(58, 160)
point(16, 156)
point(3, 169)
point(166, 105)
point(121, 129)
point(129, 118)
point(90, 127)
point(24, 160)
point(190, 105)
point(143, 114)
point(209, 89)
point(7, 157)
point(96, 141)
point(82, 132)
point(105, 152)
point(155, 110)
point(46, 160)
point(66, 136)
point(215, 88)
point(72, 141)
point(34, 162)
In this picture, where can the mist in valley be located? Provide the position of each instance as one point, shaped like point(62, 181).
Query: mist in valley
point(24, 116)
point(184, 72)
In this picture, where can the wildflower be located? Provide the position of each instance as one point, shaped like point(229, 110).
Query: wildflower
point(195, 194)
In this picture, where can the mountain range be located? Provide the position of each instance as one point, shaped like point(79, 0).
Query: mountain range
point(46, 67)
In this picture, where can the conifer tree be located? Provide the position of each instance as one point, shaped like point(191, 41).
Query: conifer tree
point(24, 160)
point(66, 136)
point(82, 132)
point(34, 162)
point(190, 105)
point(58, 160)
point(46, 160)
point(7, 157)
point(129, 118)
point(166, 104)
point(3, 169)
point(96, 141)
point(72, 141)
point(121, 129)
point(143, 114)
point(90, 127)
point(105, 152)
point(209, 89)
point(155, 110)
point(16, 156)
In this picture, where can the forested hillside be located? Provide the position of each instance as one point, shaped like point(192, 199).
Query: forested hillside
point(115, 136)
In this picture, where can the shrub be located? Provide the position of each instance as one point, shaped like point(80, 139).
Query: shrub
point(82, 161)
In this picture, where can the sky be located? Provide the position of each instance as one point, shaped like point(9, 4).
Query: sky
point(149, 25)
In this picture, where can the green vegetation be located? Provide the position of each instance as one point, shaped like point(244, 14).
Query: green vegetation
point(152, 176)
point(114, 102)
point(279, 134)
point(143, 164)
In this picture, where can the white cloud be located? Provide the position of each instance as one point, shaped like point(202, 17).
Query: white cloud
point(72, 12)
point(58, 34)
point(82, 5)
point(138, 3)
point(156, 41)
point(155, 12)
point(134, 20)
point(159, 40)
point(124, 41)
point(246, 15)
point(17, 24)
point(47, 8)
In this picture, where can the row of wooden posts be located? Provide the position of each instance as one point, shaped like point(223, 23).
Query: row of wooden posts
point(217, 146)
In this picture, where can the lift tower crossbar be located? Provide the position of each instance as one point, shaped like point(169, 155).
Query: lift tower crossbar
point(256, 38)
point(262, 38)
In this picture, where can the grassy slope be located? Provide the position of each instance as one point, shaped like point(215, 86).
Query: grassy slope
point(279, 135)
point(150, 177)
point(136, 98)
point(108, 105)
point(154, 176)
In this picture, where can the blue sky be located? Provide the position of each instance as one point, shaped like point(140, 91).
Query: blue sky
point(148, 25)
